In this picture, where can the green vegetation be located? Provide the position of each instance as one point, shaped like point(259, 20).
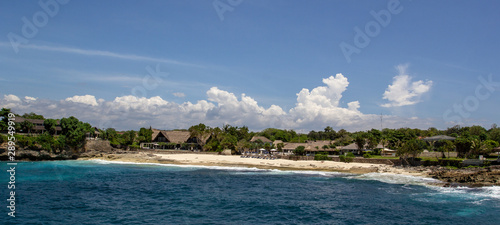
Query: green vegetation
point(299, 150)
point(347, 158)
point(321, 157)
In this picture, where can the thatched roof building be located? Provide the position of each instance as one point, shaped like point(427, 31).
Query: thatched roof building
point(172, 136)
point(262, 138)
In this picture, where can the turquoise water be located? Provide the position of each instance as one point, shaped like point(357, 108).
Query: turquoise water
point(97, 192)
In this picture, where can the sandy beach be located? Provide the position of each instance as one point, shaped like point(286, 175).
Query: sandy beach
point(237, 161)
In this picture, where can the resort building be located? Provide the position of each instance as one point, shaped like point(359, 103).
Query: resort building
point(38, 125)
point(171, 139)
point(94, 135)
point(311, 147)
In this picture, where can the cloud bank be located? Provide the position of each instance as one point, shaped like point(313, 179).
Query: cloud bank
point(314, 109)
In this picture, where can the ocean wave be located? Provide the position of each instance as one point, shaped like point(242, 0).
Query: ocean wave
point(395, 178)
point(99, 161)
point(478, 194)
point(235, 170)
point(440, 194)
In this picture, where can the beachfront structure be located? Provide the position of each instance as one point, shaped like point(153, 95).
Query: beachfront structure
point(311, 147)
point(38, 125)
point(95, 134)
point(176, 139)
point(356, 150)
point(388, 152)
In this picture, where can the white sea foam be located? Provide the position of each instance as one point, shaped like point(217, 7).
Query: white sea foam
point(181, 166)
point(396, 178)
point(477, 194)
point(237, 170)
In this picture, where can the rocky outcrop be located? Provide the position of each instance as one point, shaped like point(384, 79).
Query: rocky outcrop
point(31, 155)
point(91, 149)
point(468, 176)
point(97, 145)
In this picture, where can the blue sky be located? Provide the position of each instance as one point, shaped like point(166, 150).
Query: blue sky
point(258, 63)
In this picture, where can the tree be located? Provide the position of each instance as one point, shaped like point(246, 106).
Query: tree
point(128, 137)
point(242, 145)
point(463, 146)
point(26, 126)
point(50, 126)
point(229, 142)
point(360, 141)
point(445, 146)
point(279, 147)
point(33, 115)
point(330, 134)
point(494, 134)
point(299, 150)
point(47, 142)
point(144, 135)
point(488, 146)
point(74, 132)
point(243, 133)
point(4, 114)
point(410, 148)
point(478, 131)
point(372, 141)
point(200, 132)
point(111, 135)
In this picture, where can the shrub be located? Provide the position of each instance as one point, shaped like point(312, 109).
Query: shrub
point(367, 155)
point(134, 146)
point(3, 138)
point(347, 158)
point(321, 157)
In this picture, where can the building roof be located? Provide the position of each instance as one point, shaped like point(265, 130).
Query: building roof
point(177, 136)
point(352, 146)
point(292, 146)
point(262, 138)
point(173, 136)
point(309, 146)
point(38, 123)
point(33, 121)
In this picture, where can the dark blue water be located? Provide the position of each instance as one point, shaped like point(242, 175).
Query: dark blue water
point(93, 192)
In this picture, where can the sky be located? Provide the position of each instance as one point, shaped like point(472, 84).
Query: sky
point(288, 64)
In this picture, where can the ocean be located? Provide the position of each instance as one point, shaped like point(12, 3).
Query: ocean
point(100, 192)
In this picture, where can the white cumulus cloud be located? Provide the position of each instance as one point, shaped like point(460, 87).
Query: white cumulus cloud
point(28, 98)
point(403, 91)
point(321, 105)
point(85, 99)
point(11, 98)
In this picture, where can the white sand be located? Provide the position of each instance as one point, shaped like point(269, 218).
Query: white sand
point(222, 160)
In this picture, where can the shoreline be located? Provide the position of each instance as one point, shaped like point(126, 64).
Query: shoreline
point(470, 177)
point(280, 164)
